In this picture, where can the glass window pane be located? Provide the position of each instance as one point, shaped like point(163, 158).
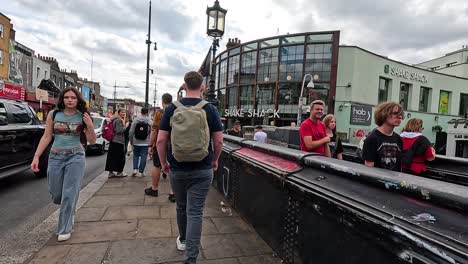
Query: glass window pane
point(248, 65)
point(265, 97)
point(267, 65)
point(444, 102)
point(18, 113)
point(222, 74)
point(233, 73)
point(288, 97)
point(291, 59)
point(404, 95)
point(424, 99)
point(249, 47)
point(463, 104)
point(269, 43)
point(221, 98)
point(320, 38)
point(383, 90)
point(232, 98)
point(234, 51)
point(292, 40)
point(224, 55)
point(246, 97)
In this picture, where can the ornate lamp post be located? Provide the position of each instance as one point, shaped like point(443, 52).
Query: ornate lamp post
point(215, 29)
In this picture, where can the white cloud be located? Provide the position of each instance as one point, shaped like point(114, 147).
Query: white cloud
point(113, 32)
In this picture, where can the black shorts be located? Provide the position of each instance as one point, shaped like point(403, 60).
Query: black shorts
point(156, 161)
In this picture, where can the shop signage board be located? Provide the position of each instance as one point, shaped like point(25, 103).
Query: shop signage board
point(361, 115)
point(414, 76)
point(11, 91)
point(42, 95)
point(85, 93)
point(241, 113)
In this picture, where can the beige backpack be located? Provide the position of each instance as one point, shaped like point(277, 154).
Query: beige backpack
point(190, 135)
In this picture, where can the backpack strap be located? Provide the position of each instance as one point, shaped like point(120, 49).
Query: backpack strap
point(201, 104)
point(54, 114)
point(178, 104)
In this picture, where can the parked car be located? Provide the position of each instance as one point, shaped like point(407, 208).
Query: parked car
point(101, 144)
point(20, 133)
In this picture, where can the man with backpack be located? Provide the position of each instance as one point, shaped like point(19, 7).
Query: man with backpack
point(190, 125)
point(139, 139)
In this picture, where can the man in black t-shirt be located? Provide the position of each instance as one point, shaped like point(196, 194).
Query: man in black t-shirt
point(191, 181)
point(383, 147)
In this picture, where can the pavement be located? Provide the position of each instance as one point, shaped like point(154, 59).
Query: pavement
point(116, 224)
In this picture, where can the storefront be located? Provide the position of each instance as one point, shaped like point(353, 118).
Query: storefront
point(10, 91)
point(260, 82)
point(47, 106)
point(366, 79)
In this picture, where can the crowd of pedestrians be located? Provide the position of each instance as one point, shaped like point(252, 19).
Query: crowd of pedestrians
point(184, 141)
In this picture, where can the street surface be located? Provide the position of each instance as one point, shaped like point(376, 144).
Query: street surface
point(25, 200)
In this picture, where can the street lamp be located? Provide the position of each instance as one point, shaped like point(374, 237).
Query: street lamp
point(215, 29)
point(148, 42)
point(301, 103)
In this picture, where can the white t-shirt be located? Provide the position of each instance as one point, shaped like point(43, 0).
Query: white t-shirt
point(260, 136)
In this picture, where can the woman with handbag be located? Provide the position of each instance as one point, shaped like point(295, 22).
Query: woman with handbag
point(71, 126)
point(115, 161)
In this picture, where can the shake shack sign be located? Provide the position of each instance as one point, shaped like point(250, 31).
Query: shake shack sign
point(414, 76)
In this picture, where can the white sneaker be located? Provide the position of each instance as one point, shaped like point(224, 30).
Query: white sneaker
point(65, 237)
point(141, 175)
point(180, 244)
point(135, 173)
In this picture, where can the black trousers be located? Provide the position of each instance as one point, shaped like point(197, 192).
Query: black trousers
point(115, 157)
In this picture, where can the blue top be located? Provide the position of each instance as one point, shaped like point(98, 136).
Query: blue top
point(214, 123)
point(67, 130)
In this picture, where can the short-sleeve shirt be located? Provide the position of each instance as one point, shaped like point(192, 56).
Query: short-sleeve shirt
point(315, 130)
point(384, 151)
point(156, 121)
point(214, 124)
point(67, 130)
point(260, 136)
point(336, 147)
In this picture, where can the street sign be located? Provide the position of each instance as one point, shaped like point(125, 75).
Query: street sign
point(42, 95)
point(361, 115)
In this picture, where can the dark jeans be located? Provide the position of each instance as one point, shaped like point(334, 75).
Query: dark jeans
point(191, 189)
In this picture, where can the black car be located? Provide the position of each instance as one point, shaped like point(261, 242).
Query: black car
point(20, 133)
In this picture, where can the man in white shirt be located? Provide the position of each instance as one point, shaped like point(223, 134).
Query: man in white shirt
point(259, 135)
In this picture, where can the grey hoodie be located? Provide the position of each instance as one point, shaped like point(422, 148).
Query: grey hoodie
point(118, 129)
point(131, 135)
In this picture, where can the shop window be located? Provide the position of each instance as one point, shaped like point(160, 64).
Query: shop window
point(267, 65)
point(463, 104)
point(248, 64)
point(318, 61)
point(1, 30)
point(269, 43)
point(292, 40)
point(1, 57)
point(291, 66)
point(222, 74)
point(288, 97)
point(249, 47)
point(265, 97)
point(320, 38)
point(384, 90)
point(405, 92)
point(444, 102)
point(424, 99)
point(233, 72)
point(232, 98)
point(321, 91)
point(246, 97)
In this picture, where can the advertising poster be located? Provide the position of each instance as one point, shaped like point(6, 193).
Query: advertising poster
point(85, 94)
point(444, 102)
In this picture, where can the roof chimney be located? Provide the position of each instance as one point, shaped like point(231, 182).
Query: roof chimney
point(232, 43)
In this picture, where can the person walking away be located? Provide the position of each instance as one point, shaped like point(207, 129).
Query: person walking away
point(139, 138)
point(312, 133)
point(260, 135)
point(115, 161)
point(383, 147)
point(417, 148)
point(156, 170)
point(236, 130)
point(71, 126)
point(336, 147)
point(192, 126)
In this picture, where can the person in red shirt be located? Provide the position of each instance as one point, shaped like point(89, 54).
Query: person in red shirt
point(417, 148)
point(312, 133)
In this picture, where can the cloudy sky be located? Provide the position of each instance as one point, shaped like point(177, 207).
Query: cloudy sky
point(113, 32)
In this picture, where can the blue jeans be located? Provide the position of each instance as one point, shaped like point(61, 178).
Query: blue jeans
point(190, 189)
point(64, 174)
point(140, 154)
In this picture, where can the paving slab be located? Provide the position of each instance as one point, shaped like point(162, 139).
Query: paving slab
point(115, 200)
point(85, 232)
point(263, 259)
point(116, 191)
point(168, 211)
point(219, 246)
point(160, 200)
point(230, 225)
point(208, 228)
point(144, 251)
point(251, 244)
point(71, 254)
point(89, 214)
point(220, 261)
point(131, 212)
point(154, 228)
